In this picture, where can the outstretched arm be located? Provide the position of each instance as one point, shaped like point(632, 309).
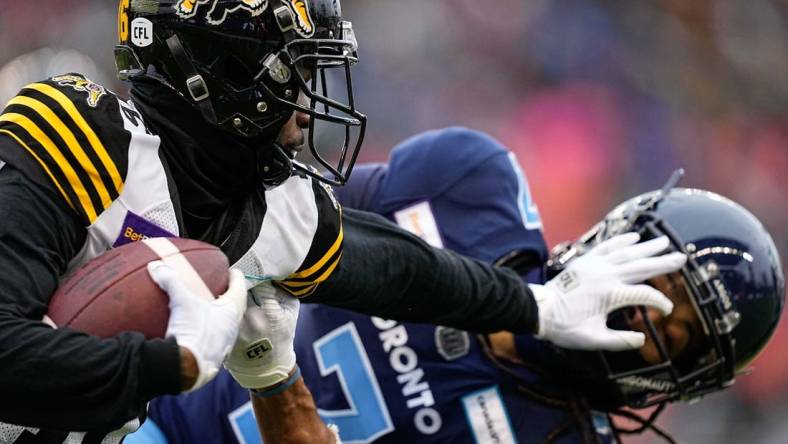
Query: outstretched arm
point(388, 272)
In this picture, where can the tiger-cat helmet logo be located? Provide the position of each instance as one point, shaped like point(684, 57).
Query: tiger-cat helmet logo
point(303, 20)
point(82, 84)
point(220, 9)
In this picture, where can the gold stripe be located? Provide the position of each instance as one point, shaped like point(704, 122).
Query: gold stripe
point(313, 269)
point(43, 164)
point(303, 292)
point(61, 161)
point(320, 279)
point(98, 147)
point(70, 140)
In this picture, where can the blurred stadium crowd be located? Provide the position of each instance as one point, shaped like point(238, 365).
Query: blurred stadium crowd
point(600, 100)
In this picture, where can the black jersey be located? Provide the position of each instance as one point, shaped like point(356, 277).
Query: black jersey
point(83, 166)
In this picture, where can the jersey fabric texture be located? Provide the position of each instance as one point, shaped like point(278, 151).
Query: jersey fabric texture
point(77, 148)
point(86, 171)
point(385, 381)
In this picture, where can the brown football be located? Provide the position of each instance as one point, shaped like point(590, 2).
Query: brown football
point(114, 293)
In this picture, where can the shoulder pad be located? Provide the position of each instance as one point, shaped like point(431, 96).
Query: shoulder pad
point(429, 163)
point(459, 172)
point(325, 250)
point(67, 134)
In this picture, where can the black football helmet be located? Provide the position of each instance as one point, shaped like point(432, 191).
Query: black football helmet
point(244, 64)
point(733, 277)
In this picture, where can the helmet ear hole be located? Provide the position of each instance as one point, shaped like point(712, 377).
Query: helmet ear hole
point(237, 74)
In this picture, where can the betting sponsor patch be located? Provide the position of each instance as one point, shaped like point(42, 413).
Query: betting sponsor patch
point(135, 228)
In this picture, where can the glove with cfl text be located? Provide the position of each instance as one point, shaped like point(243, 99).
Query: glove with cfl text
point(263, 356)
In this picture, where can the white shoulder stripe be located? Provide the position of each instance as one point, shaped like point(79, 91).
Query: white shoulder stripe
point(288, 228)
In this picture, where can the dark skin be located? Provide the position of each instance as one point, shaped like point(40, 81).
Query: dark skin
point(289, 417)
point(681, 331)
point(291, 138)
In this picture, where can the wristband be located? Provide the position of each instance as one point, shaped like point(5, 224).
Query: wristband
point(277, 389)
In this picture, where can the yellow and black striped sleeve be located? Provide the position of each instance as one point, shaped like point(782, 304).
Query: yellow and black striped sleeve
point(66, 134)
point(326, 249)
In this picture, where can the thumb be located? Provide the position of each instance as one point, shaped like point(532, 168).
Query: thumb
point(168, 280)
point(160, 273)
point(235, 294)
point(626, 295)
point(618, 340)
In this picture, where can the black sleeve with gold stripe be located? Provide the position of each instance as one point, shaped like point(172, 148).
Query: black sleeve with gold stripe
point(326, 249)
point(66, 134)
point(390, 273)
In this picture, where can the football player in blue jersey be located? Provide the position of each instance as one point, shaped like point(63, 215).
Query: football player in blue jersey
point(204, 148)
point(384, 381)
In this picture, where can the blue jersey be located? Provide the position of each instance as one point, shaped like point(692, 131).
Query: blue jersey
point(389, 382)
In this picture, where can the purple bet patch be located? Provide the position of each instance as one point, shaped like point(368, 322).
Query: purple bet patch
point(135, 229)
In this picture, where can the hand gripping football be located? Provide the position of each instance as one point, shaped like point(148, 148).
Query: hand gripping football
point(114, 293)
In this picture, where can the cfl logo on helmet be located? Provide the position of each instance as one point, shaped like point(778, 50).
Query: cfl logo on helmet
point(220, 9)
point(303, 19)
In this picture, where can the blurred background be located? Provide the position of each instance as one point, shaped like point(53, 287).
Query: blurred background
point(600, 100)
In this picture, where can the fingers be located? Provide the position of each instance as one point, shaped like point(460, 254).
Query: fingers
point(627, 295)
point(167, 279)
point(236, 293)
point(638, 251)
point(161, 274)
point(618, 340)
point(640, 270)
point(615, 243)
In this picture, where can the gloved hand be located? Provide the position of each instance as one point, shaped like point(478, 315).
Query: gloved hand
point(574, 306)
point(207, 328)
point(263, 355)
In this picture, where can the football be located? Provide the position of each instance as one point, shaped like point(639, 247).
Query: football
point(114, 293)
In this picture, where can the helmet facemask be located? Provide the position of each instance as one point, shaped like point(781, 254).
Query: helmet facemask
point(707, 369)
point(246, 72)
point(313, 63)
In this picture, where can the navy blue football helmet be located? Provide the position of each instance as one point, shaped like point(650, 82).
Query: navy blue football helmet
point(245, 63)
point(735, 282)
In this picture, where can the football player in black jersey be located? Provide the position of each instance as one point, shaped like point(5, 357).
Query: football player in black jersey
point(194, 153)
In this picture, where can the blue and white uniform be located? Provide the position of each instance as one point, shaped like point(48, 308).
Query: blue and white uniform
point(389, 382)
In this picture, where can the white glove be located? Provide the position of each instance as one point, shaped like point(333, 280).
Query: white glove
point(573, 307)
point(207, 328)
point(263, 355)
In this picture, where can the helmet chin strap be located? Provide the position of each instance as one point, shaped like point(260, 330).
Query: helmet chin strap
point(195, 84)
point(274, 166)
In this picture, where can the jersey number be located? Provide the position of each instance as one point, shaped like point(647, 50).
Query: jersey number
point(528, 210)
point(123, 21)
point(367, 417)
point(342, 352)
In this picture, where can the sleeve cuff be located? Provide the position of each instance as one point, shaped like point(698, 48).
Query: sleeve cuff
point(531, 322)
point(161, 374)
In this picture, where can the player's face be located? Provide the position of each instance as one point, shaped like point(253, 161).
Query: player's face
point(681, 331)
point(291, 136)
